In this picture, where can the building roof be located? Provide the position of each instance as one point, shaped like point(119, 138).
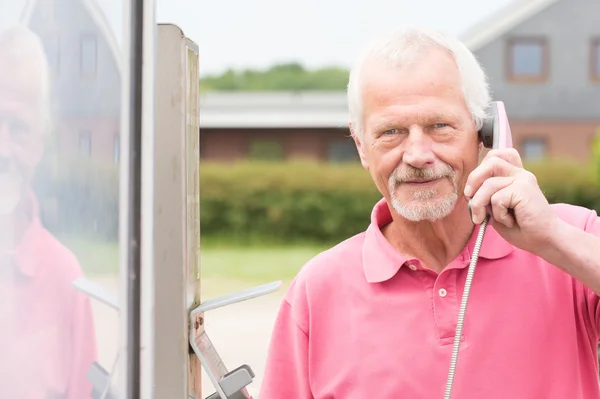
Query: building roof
point(273, 110)
point(502, 21)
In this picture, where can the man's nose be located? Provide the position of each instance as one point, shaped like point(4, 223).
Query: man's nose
point(418, 152)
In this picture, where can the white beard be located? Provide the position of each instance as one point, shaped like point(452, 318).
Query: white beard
point(427, 207)
point(11, 191)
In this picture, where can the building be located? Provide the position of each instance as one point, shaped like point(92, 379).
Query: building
point(312, 125)
point(543, 60)
point(83, 42)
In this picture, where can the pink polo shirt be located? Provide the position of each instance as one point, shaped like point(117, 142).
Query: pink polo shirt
point(363, 321)
point(47, 339)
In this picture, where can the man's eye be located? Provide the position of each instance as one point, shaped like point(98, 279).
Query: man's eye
point(441, 125)
point(390, 131)
point(15, 125)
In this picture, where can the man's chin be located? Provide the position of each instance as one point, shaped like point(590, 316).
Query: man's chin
point(10, 194)
point(425, 210)
point(9, 204)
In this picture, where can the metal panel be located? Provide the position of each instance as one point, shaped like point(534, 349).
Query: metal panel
point(168, 252)
point(130, 234)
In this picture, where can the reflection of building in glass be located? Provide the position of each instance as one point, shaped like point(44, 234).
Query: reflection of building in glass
point(83, 42)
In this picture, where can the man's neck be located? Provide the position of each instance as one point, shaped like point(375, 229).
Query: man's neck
point(435, 244)
point(14, 225)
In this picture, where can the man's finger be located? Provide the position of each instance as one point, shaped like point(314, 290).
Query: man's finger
point(510, 155)
point(503, 201)
point(491, 167)
point(483, 196)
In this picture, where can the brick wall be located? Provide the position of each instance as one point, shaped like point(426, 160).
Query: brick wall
point(563, 139)
point(559, 139)
point(102, 135)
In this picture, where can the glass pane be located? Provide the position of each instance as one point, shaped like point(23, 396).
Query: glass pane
point(597, 58)
point(527, 58)
point(117, 148)
point(266, 150)
point(88, 54)
point(343, 151)
point(534, 149)
point(59, 195)
point(85, 143)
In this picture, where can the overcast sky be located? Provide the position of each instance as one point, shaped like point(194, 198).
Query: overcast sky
point(258, 33)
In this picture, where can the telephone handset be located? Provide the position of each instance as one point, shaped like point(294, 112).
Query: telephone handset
point(495, 134)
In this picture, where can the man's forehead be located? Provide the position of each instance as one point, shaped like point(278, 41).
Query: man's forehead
point(24, 73)
point(27, 84)
point(429, 90)
point(428, 78)
point(16, 107)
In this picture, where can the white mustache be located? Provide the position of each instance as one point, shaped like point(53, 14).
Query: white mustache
point(412, 174)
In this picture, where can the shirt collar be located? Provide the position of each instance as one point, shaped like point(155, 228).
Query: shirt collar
point(381, 261)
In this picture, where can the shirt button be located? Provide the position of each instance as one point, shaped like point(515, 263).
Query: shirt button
point(412, 267)
point(442, 292)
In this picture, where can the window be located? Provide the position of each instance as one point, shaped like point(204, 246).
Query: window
point(342, 151)
point(85, 143)
point(266, 150)
point(116, 148)
point(88, 55)
point(595, 59)
point(533, 149)
point(527, 59)
point(53, 52)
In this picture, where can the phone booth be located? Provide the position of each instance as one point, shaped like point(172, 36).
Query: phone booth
point(100, 208)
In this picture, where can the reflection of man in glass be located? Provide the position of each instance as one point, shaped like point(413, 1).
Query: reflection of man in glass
point(47, 341)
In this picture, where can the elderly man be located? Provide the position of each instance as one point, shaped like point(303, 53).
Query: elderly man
point(47, 340)
point(376, 315)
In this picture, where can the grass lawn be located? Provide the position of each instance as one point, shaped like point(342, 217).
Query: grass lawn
point(224, 269)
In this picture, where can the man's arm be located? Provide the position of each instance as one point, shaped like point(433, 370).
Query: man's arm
point(576, 251)
point(286, 371)
point(83, 348)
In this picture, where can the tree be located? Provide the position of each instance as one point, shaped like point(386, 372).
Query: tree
point(281, 77)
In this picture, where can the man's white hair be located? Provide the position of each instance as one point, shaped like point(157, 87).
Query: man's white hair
point(402, 47)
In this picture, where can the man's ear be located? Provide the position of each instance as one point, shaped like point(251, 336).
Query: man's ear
point(360, 147)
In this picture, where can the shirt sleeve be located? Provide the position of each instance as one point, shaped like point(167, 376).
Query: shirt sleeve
point(286, 371)
point(83, 348)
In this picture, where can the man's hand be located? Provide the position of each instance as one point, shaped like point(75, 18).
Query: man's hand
point(519, 210)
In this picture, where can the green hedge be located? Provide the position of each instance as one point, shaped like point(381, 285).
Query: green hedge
point(272, 202)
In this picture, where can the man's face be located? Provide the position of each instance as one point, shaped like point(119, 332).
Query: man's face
point(21, 146)
point(419, 141)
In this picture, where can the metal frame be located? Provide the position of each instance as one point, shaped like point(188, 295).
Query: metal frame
point(164, 243)
point(130, 221)
point(228, 384)
point(161, 325)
